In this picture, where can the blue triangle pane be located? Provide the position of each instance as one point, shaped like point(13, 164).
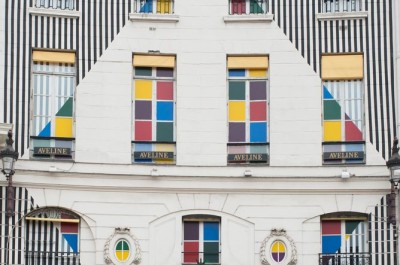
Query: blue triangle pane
point(327, 94)
point(72, 240)
point(46, 131)
point(331, 244)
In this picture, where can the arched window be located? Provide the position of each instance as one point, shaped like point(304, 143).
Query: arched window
point(52, 237)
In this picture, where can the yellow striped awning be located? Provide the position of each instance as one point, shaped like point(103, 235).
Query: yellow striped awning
point(248, 62)
point(342, 67)
point(53, 57)
point(167, 61)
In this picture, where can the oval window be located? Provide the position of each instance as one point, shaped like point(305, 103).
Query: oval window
point(278, 251)
point(122, 251)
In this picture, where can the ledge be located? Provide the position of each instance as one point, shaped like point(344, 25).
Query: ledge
point(153, 17)
point(249, 18)
point(53, 12)
point(342, 15)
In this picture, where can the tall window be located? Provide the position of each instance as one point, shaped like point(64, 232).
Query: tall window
point(201, 239)
point(240, 7)
point(248, 109)
point(344, 240)
point(52, 133)
point(341, 6)
point(343, 109)
point(56, 4)
point(154, 6)
point(153, 109)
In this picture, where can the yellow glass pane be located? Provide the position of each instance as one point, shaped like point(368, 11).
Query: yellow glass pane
point(332, 131)
point(153, 61)
point(258, 72)
point(53, 57)
point(164, 6)
point(143, 89)
point(278, 247)
point(63, 127)
point(122, 255)
point(165, 148)
point(342, 67)
point(237, 111)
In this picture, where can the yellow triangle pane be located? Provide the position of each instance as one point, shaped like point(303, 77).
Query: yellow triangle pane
point(332, 131)
point(237, 111)
point(257, 72)
point(122, 255)
point(63, 127)
point(143, 89)
point(347, 237)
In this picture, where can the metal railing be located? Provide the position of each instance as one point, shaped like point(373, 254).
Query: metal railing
point(53, 258)
point(194, 257)
point(345, 259)
point(332, 6)
point(56, 4)
point(154, 6)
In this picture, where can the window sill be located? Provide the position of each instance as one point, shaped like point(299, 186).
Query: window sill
point(342, 15)
point(153, 17)
point(53, 12)
point(249, 18)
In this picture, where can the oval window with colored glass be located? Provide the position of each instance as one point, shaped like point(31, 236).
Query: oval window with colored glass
point(278, 251)
point(122, 250)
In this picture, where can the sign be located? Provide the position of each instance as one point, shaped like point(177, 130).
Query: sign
point(343, 155)
point(153, 155)
point(58, 151)
point(248, 158)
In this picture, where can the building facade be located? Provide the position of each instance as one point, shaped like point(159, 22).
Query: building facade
point(199, 132)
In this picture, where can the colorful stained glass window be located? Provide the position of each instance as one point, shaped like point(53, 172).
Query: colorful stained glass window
point(278, 251)
point(122, 250)
point(240, 7)
point(53, 108)
point(201, 242)
point(343, 122)
point(153, 139)
point(154, 6)
point(248, 115)
point(343, 236)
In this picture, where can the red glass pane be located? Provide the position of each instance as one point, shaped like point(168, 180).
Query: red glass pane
point(190, 252)
point(352, 132)
point(258, 111)
point(165, 90)
point(143, 131)
point(331, 227)
point(238, 7)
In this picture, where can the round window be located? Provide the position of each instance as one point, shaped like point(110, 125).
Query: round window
point(278, 251)
point(122, 250)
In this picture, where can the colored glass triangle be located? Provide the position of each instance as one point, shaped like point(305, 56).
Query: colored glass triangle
point(352, 133)
point(327, 94)
point(351, 226)
point(66, 109)
point(46, 131)
point(72, 240)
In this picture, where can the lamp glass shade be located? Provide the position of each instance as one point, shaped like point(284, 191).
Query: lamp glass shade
point(395, 174)
point(8, 164)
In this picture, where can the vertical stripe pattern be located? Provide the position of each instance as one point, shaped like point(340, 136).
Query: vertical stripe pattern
point(89, 35)
point(313, 37)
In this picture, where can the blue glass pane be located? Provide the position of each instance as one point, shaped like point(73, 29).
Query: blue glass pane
point(147, 7)
point(327, 94)
point(141, 148)
point(354, 147)
point(258, 132)
point(330, 244)
point(72, 241)
point(46, 131)
point(165, 111)
point(237, 73)
point(211, 231)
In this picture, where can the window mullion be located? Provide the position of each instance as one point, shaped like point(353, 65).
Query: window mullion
point(201, 241)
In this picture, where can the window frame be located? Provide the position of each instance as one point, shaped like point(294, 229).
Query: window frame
point(56, 4)
point(247, 8)
point(339, 6)
point(155, 6)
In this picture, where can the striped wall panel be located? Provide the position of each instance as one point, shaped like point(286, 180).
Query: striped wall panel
point(89, 35)
point(382, 240)
point(372, 36)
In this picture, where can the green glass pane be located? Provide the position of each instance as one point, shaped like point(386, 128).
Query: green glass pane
point(351, 226)
point(122, 245)
point(258, 149)
point(211, 252)
point(143, 71)
point(165, 132)
point(66, 109)
point(237, 90)
point(331, 110)
point(255, 7)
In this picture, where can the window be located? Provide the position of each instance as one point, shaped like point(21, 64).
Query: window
point(344, 241)
point(153, 109)
point(52, 133)
point(154, 6)
point(343, 109)
point(278, 251)
point(341, 6)
point(52, 237)
point(241, 7)
point(56, 4)
point(201, 240)
point(122, 250)
point(247, 109)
